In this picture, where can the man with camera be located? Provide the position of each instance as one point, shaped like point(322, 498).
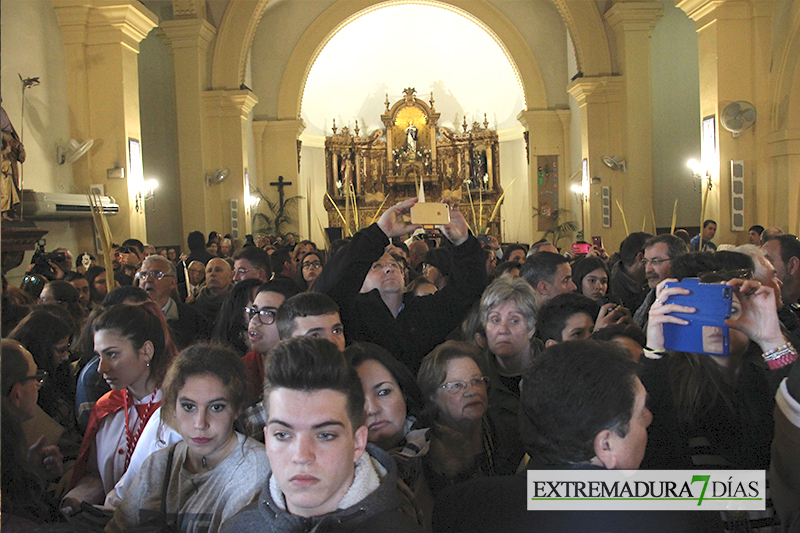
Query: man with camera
point(408, 326)
point(53, 265)
point(658, 255)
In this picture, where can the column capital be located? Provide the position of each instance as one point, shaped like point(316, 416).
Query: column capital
point(94, 22)
point(785, 142)
point(188, 33)
point(598, 89)
point(281, 127)
point(530, 118)
point(229, 103)
point(704, 12)
point(634, 16)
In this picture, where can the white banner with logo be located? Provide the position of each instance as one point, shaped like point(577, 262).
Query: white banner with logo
point(646, 490)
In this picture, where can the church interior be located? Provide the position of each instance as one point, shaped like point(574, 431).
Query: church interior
point(206, 114)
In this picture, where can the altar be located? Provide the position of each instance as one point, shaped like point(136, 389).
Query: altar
point(365, 175)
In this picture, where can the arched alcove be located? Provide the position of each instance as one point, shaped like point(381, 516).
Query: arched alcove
point(372, 56)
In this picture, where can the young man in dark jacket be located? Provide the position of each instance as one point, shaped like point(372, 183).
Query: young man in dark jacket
point(325, 477)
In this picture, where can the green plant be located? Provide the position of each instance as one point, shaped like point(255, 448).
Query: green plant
point(557, 229)
point(276, 216)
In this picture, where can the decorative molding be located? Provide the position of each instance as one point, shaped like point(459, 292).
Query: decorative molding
point(601, 89)
point(222, 103)
point(188, 33)
point(104, 22)
point(634, 16)
point(189, 9)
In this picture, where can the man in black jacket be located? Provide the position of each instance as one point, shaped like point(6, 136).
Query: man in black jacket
point(582, 407)
point(368, 285)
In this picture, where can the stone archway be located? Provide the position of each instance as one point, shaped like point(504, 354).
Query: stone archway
point(313, 40)
point(583, 21)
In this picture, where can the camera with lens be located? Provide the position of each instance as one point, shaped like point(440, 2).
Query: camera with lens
point(42, 260)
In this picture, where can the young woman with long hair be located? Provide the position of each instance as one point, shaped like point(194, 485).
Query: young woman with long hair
point(135, 352)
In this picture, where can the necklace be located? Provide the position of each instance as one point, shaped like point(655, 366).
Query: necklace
point(203, 462)
point(143, 411)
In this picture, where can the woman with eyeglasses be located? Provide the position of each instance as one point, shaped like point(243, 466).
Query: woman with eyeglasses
point(230, 327)
point(48, 337)
point(310, 267)
point(710, 410)
point(135, 351)
point(466, 439)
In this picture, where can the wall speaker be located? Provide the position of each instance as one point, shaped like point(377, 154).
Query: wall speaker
point(737, 195)
point(235, 218)
point(606, 198)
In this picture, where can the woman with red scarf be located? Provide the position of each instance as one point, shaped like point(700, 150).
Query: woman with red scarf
point(135, 352)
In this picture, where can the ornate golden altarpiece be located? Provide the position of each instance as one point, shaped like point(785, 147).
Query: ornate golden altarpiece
point(387, 166)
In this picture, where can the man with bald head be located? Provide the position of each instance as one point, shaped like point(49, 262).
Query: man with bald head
point(367, 283)
point(219, 280)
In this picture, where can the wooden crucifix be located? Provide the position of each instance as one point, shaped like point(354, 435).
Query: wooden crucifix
point(280, 184)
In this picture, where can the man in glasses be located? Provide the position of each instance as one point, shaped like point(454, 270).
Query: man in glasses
point(251, 263)
point(158, 279)
point(657, 259)
point(262, 335)
point(368, 285)
point(21, 381)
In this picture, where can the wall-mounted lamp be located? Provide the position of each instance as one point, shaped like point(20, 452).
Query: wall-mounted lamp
point(699, 174)
point(147, 192)
point(581, 191)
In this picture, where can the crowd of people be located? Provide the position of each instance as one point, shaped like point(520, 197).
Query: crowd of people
point(390, 383)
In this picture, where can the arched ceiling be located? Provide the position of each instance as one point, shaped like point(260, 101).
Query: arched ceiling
point(466, 69)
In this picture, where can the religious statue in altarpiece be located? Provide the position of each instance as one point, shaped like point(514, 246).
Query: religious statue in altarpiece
point(364, 173)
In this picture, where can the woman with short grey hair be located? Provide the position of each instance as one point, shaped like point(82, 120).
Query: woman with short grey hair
point(508, 312)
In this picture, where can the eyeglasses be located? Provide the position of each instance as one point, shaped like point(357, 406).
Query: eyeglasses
point(656, 261)
point(243, 271)
point(266, 315)
point(154, 274)
point(383, 266)
point(313, 264)
point(38, 377)
point(457, 387)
